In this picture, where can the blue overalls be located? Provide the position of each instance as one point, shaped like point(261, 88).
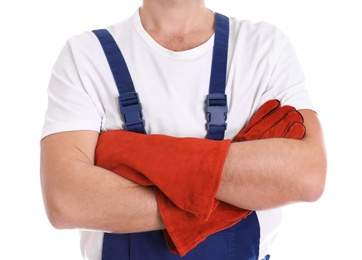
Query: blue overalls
point(240, 242)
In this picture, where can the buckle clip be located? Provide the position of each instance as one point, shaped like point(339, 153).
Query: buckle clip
point(131, 111)
point(216, 110)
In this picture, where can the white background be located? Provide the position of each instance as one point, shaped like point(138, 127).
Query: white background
point(327, 37)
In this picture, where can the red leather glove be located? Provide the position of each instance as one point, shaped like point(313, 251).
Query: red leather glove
point(186, 170)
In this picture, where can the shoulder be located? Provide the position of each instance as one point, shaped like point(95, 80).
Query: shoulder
point(257, 35)
point(87, 41)
point(256, 29)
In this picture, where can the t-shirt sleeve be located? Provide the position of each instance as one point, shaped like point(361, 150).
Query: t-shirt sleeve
point(287, 81)
point(70, 107)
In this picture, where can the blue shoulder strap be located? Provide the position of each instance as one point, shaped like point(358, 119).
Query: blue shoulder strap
point(130, 106)
point(216, 101)
point(129, 102)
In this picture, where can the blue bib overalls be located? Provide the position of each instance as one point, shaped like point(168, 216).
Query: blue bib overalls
point(240, 242)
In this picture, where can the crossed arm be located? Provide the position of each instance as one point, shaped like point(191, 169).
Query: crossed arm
point(269, 173)
point(257, 175)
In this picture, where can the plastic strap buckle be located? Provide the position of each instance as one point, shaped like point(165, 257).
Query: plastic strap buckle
point(131, 111)
point(216, 111)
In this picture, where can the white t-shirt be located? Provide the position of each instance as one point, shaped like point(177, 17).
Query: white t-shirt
point(173, 86)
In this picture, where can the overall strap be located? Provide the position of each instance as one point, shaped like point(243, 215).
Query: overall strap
point(129, 102)
point(216, 102)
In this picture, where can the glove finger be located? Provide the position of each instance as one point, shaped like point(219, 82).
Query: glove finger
point(296, 131)
point(280, 128)
point(264, 125)
point(266, 109)
point(294, 116)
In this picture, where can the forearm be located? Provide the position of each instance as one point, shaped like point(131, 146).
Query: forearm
point(78, 194)
point(269, 173)
point(106, 202)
